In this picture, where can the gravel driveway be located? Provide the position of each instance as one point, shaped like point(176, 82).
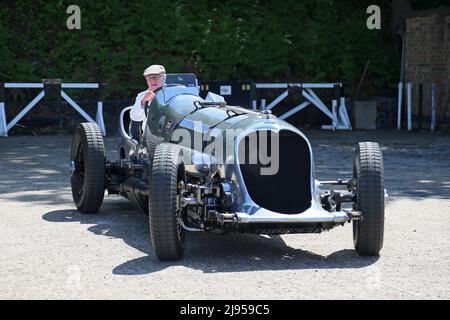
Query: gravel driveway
point(49, 250)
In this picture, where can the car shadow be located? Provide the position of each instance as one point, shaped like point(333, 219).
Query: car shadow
point(208, 252)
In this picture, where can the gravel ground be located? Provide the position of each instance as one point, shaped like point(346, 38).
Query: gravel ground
point(49, 250)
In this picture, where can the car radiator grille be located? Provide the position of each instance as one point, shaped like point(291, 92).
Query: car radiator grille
point(282, 185)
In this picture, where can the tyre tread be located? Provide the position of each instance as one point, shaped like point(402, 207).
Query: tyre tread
point(369, 168)
point(94, 163)
point(162, 202)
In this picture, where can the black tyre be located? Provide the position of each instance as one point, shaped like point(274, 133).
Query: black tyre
point(166, 233)
point(368, 173)
point(87, 166)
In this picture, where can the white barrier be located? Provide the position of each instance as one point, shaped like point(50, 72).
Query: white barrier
point(5, 126)
point(338, 114)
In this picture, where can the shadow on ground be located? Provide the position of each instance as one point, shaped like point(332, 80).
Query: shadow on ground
point(35, 169)
point(208, 252)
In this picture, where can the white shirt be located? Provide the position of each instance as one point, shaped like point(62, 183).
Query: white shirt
point(137, 113)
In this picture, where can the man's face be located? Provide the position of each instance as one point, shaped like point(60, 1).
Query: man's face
point(155, 81)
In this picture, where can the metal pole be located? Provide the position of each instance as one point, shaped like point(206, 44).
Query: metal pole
point(409, 94)
point(76, 107)
point(295, 110)
point(344, 115)
point(24, 85)
point(3, 129)
point(318, 103)
point(400, 102)
point(99, 118)
point(263, 104)
point(419, 123)
point(41, 85)
point(25, 110)
point(433, 106)
point(334, 105)
point(80, 85)
point(303, 85)
point(278, 100)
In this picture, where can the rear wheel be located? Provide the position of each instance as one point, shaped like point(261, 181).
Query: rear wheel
point(167, 235)
point(368, 173)
point(87, 168)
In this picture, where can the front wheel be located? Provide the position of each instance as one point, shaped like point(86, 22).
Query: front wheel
point(167, 235)
point(368, 173)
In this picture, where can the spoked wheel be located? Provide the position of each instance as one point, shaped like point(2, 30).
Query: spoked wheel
point(167, 234)
point(368, 173)
point(87, 168)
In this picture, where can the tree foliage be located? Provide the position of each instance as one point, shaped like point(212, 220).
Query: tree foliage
point(265, 40)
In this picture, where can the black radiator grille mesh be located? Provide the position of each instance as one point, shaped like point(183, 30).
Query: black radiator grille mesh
point(289, 190)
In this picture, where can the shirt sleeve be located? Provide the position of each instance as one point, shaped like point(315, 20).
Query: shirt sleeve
point(137, 111)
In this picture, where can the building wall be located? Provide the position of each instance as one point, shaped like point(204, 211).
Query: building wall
point(427, 59)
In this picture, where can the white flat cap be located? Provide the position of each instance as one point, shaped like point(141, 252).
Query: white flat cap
point(154, 69)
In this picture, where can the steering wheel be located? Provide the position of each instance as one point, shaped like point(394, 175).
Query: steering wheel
point(146, 105)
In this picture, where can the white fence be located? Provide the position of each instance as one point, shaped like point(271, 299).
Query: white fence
point(337, 112)
point(5, 126)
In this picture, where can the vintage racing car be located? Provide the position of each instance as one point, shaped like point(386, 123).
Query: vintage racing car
point(262, 183)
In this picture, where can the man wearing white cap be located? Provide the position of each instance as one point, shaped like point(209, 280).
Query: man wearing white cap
point(155, 75)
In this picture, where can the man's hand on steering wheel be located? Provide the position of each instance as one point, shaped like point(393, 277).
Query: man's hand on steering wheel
point(149, 96)
point(147, 99)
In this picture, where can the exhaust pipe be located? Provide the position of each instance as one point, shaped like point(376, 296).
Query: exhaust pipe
point(135, 186)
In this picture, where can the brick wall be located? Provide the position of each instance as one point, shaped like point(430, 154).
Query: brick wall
point(427, 49)
point(427, 59)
